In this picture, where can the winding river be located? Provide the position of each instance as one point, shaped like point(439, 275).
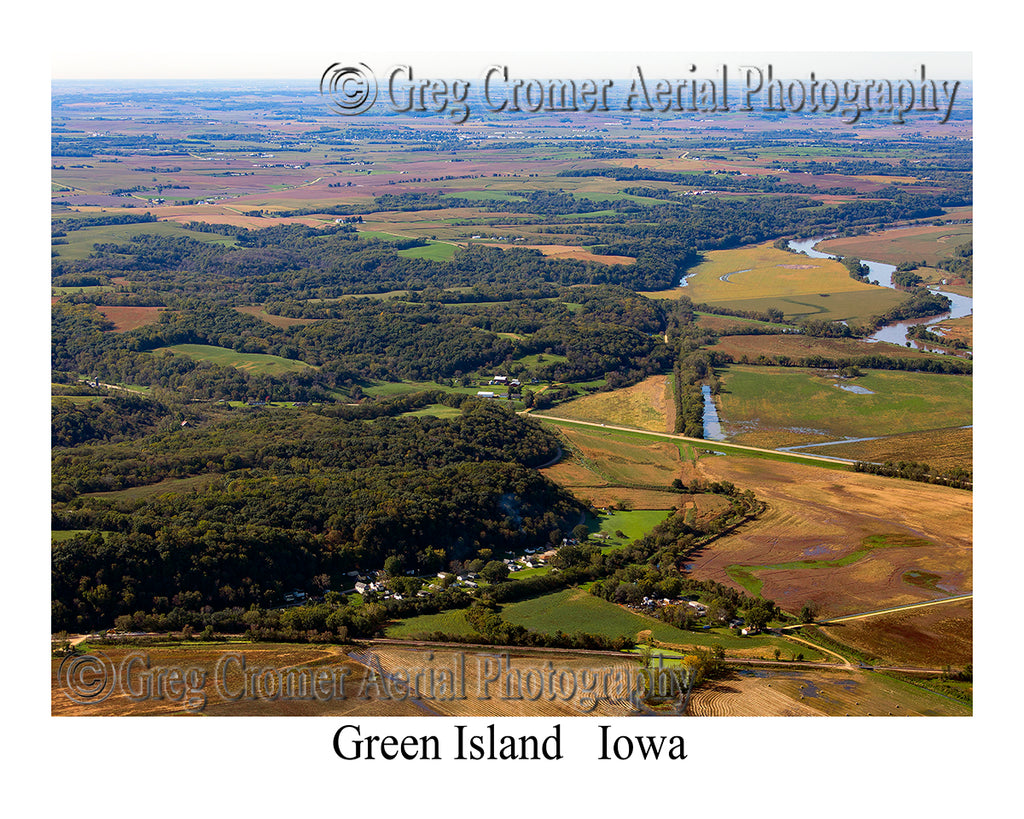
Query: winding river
point(881, 273)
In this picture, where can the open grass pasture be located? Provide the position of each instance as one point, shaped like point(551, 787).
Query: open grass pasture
point(772, 405)
point(80, 242)
point(434, 251)
point(449, 622)
point(256, 363)
point(762, 271)
point(632, 523)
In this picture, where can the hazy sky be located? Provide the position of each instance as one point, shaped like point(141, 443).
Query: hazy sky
point(459, 38)
point(472, 65)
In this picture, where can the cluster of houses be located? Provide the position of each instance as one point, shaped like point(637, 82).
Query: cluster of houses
point(530, 560)
point(649, 604)
point(376, 582)
point(514, 386)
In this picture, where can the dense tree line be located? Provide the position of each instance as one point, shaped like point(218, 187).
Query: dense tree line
point(912, 471)
point(293, 496)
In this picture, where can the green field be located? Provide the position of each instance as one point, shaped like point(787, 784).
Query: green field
point(448, 622)
point(434, 251)
point(795, 398)
point(760, 277)
point(256, 363)
point(855, 307)
point(575, 610)
point(167, 485)
point(80, 242)
point(437, 411)
point(634, 524)
point(61, 535)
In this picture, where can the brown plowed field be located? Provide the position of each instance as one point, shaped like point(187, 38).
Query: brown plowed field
point(778, 693)
point(932, 637)
point(205, 658)
point(494, 700)
point(128, 318)
point(816, 514)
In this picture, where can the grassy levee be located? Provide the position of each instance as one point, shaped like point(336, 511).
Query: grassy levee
point(701, 443)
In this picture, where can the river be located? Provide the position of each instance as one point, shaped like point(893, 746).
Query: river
point(881, 273)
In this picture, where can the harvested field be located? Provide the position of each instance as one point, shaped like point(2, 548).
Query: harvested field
point(931, 637)
point(822, 516)
point(817, 693)
point(942, 449)
point(570, 252)
point(761, 271)
point(647, 405)
point(744, 696)
point(216, 685)
point(128, 318)
point(927, 243)
point(501, 697)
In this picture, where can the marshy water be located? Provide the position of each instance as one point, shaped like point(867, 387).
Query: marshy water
point(881, 273)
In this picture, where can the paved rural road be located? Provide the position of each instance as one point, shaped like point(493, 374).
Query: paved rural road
point(880, 612)
point(702, 442)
